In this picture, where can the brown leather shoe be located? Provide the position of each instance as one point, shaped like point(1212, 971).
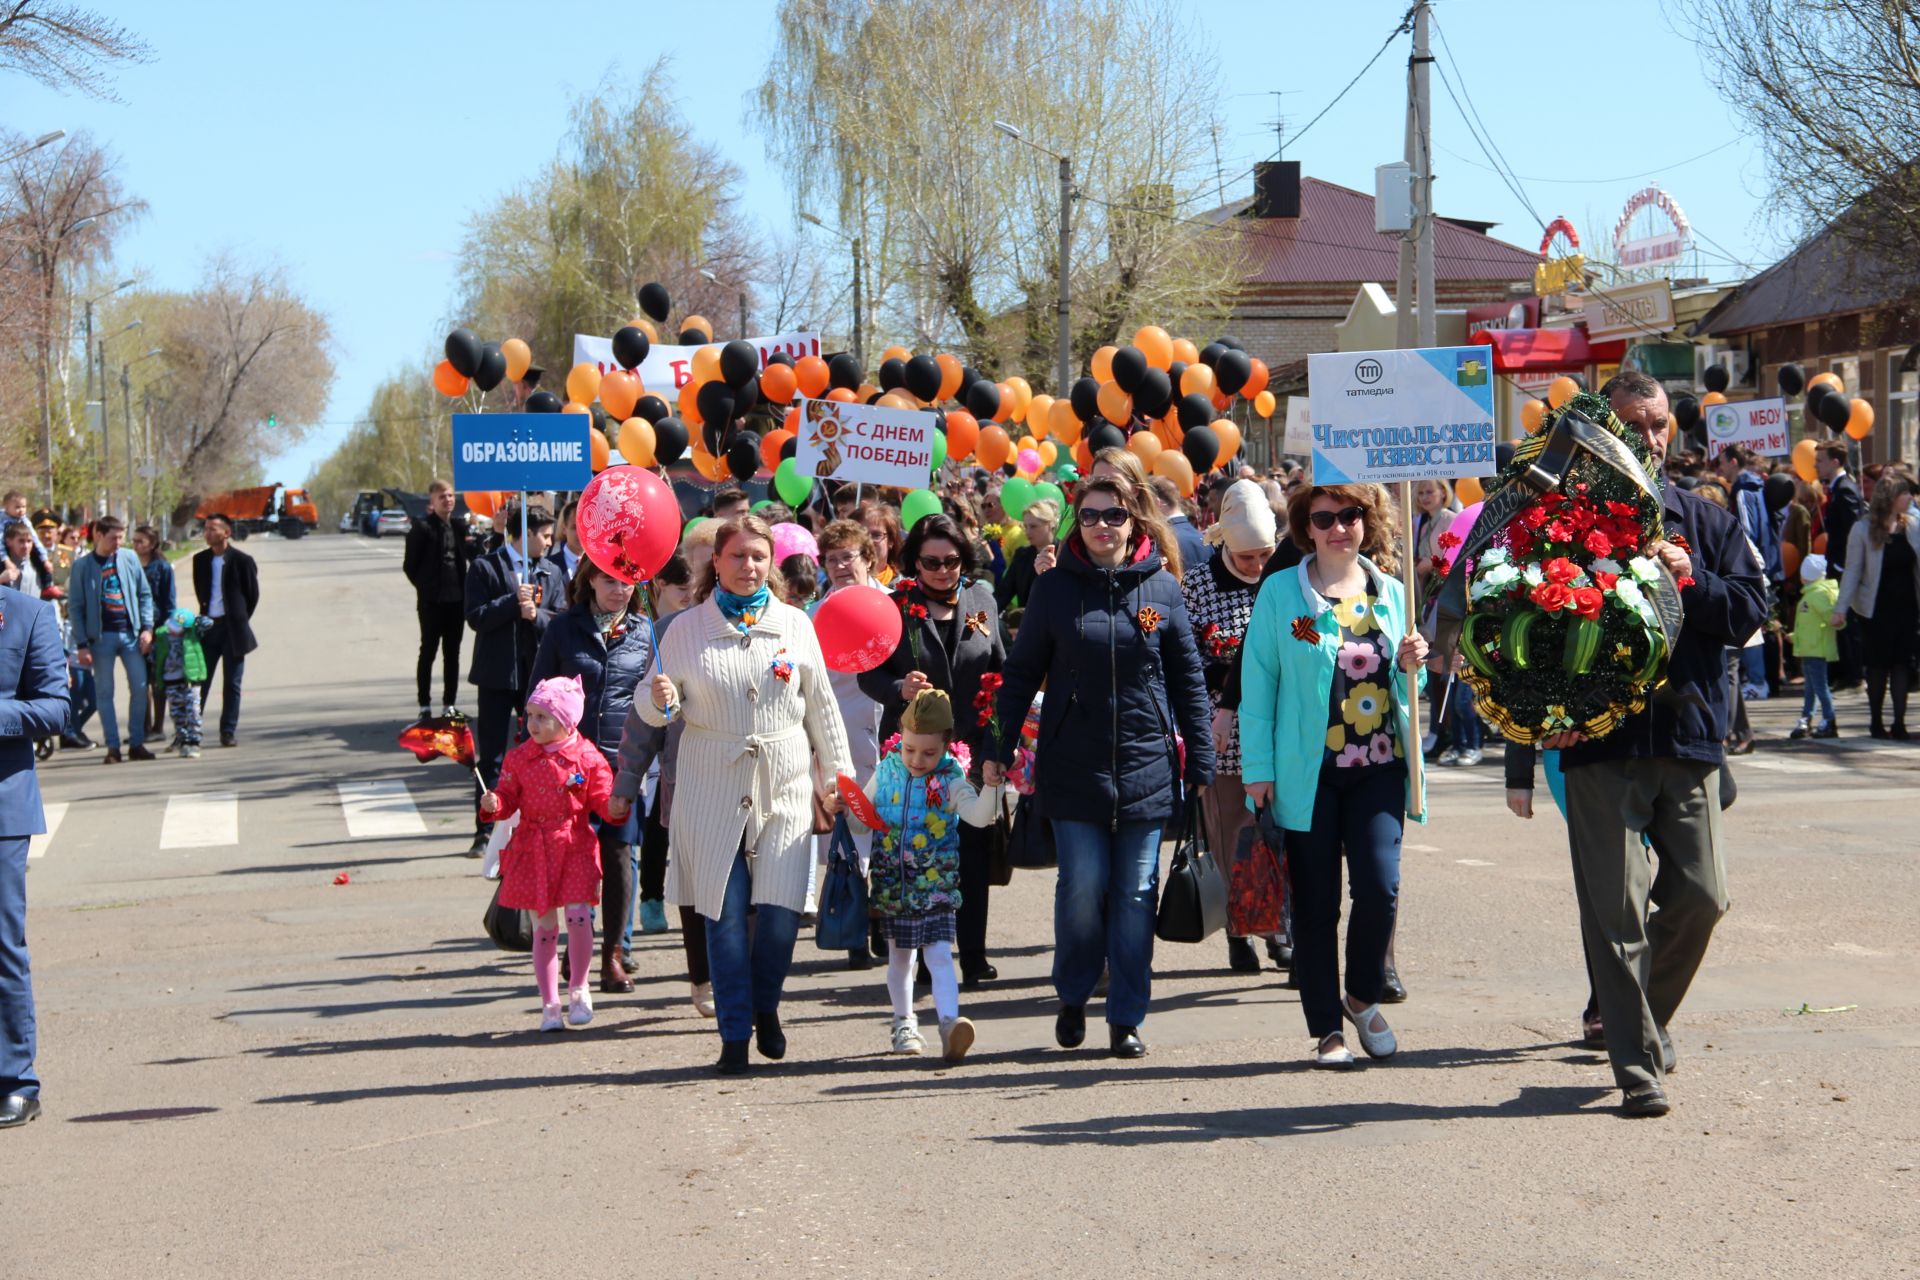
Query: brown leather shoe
point(139, 753)
point(112, 756)
point(613, 978)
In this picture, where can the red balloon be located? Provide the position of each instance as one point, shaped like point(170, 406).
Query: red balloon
point(629, 522)
point(858, 627)
point(858, 804)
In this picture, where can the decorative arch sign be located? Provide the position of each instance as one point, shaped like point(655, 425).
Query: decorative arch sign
point(1558, 275)
point(1661, 249)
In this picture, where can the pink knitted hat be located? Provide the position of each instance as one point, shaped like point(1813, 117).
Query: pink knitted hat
point(562, 697)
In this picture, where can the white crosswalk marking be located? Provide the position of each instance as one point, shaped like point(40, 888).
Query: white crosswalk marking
point(375, 809)
point(1801, 764)
point(201, 820)
point(37, 845)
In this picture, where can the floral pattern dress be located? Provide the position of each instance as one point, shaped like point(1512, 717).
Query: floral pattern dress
point(553, 859)
point(1360, 732)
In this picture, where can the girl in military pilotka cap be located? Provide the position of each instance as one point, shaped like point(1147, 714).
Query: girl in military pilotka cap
point(920, 794)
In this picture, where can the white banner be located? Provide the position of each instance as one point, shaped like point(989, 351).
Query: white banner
point(1760, 425)
point(667, 369)
point(1299, 438)
point(1385, 416)
point(865, 443)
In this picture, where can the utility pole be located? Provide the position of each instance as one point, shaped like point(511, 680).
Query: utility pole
point(859, 326)
point(1066, 261)
point(1423, 175)
point(126, 410)
point(1405, 315)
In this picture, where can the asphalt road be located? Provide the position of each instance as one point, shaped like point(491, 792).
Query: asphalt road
point(251, 1070)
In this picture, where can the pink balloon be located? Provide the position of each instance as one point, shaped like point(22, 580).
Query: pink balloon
point(629, 522)
point(858, 627)
point(1028, 463)
point(790, 539)
point(1462, 526)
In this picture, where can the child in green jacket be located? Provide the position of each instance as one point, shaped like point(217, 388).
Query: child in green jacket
point(1815, 644)
point(182, 664)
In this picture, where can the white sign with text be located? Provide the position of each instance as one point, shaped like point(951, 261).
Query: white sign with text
point(865, 443)
point(1759, 425)
point(1385, 416)
point(667, 369)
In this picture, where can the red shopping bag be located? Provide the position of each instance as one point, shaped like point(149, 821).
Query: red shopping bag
point(1256, 886)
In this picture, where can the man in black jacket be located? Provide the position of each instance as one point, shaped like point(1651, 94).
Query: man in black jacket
point(436, 564)
point(511, 593)
point(226, 582)
point(1845, 508)
point(1658, 774)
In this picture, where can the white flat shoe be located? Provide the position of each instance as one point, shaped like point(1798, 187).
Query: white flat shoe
point(703, 999)
point(550, 1019)
point(1378, 1044)
point(1328, 1053)
point(580, 1013)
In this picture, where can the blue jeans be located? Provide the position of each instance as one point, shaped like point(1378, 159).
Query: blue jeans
point(81, 701)
point(1103, 911)
point(120, 647)
point(16, 974)
point(1814, 670)
point(749, 950)
point(232, 669)
point(1362, 810)
point(1467, 727)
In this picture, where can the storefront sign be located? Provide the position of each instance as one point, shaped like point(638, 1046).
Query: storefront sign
point(1661, 249)
point(667, 369)
point(1299, 438)
point(1558, 275)
point(516, 452)
point(1760, 425)
point(1636, 311)
point(1521, 314)
point(1382, 416)
point(865, 443)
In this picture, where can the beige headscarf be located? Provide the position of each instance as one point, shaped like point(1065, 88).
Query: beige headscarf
point(1246, 519)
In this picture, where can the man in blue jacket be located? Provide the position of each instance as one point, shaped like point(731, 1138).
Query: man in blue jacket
point(33, 704)
point(1658, 774)
point(110, 608)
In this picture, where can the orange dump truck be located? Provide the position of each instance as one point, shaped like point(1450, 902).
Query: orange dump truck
point(253, 510)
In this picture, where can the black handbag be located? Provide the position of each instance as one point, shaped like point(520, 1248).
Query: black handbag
point(1193, 905)
point(510, 928)
point(998, 837)
point(1030, 842)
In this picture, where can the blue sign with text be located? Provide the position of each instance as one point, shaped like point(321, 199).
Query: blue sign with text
point(515, 451)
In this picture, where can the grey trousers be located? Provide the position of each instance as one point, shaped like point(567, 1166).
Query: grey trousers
point(1643, 964)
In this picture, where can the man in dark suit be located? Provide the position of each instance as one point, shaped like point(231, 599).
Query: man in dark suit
point(1845, 508)
point(567, 551)
point(436, 564)
point(227, 584)
point(512, 591)
point(33, 704)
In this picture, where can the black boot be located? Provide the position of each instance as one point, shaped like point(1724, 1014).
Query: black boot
point(1125, 1042)
point(1241, 957)
point(733, 1058)
point(767, 1032)
point(1070, 1026)
point(1280, 953)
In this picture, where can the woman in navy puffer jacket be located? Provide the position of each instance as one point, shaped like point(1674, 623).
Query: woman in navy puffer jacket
point(1108, 633)
point(604, 639)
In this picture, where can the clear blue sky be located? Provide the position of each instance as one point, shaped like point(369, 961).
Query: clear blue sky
point(349, 142)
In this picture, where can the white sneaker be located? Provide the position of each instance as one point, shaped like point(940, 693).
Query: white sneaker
point(580, 1011)
point(1450, 756)
point(1427, 741)
point(1467, 759)
point(956, 1037)
point(906, 1036)
point(550, 1019)
point(192, 751)
point(703, 999)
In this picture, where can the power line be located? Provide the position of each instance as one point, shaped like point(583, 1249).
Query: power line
point(1481, 135)
point(1599, 182)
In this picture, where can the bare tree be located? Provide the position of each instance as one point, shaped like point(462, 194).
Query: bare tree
point(798, 291)
point(65, 47)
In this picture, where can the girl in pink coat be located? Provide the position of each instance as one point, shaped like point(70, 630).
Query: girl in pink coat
point(555, 781)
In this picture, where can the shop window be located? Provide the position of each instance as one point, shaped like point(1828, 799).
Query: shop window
point(1903, 403)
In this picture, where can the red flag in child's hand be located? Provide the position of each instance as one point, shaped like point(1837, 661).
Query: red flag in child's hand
point(857, 803)
point(448, 736)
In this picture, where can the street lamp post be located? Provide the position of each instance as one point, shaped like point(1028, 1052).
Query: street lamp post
point(1066, 249)
point(106, 432)
point(44, 140)
point(743, 298)
point(126, 410)
point(859, 344)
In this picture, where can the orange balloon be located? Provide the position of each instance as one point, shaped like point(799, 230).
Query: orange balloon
point(620, 391)
point(1469, 490)
point(700, 324)
point(810, 375)
point(574, 406)
point(963, 434)
point(636, 442)
point(583, 383)
point(1163, 429)
point(1102, 364)
point(1827, 379)
point(1256, 381)
point(705, 463)
point(950, 372)
point(1264, 404)
point(1532, 414)
point(646, 326)
point(1004, 410)
point(706, 364)
point(1145, 446)
point(778, 383)
point(1174, 466)
point(1116, 406)
point(1049, 453)
point(1155, 344)
point(1229, 440)
point(602, 451)
point(867, 393)
point(484, 503)
point(690, 405)
point(1790, 561)
point(1860, 421)
point(1712, 398)
point(1185, 352)
point(1026, 443)
point(792, 421)
point(447, 380)
point(1197, 380)
point(895, 353)
point(519, 358)
point(1803, 456)
point(1040, 415)
point(1819, 543)
point(1561, 390)
point(841, 394)
point(1221, 400)
point(770, 445)
point(994, 448)
point(1062, 423)
point(1022, 397)
point(1082, 456)
point(896, 400)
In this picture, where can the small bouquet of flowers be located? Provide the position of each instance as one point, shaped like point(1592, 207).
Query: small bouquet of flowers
point(1562, 630)
point(911, 611)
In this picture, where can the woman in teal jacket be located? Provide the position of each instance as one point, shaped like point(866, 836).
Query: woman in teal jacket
point(1324, 738)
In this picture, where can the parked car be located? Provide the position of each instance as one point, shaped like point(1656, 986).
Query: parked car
point(392, 520)
point(346, 522)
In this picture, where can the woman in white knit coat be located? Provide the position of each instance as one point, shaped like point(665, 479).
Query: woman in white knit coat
point(744, 670)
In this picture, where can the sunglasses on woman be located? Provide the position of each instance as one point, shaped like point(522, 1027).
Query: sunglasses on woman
point(1347, 517)
point(1112, 517)
point(939, 564)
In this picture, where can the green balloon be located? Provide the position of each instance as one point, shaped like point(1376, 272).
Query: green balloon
point(762, 504)
point(1016, 495)
point(1048, 491)
point(792, 487)
point(688, 527)
point(1067, 471)
point(939, 449)
point(918, 505)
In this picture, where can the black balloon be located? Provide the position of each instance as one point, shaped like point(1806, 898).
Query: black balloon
point(873, 396)
point(716, 402)
point(695, 337)
point(492, 369)
point(743, 456)
point(1129, 366)
point(923, 377)
point(1715, 378)
point(669, 440)
point(652, 408)
point(1232, 344)
point(739, 363)
point(1778, 491)
point(893, 373)
point(1792, 379)
point(1685, 411)
point(1202, 446)
point(983, 399)
point(543, 402)
point(1231, 371)
point(1104, 435)
point(1195, 410)
point(713, 435)
point(1174, 371)
point(1154, 394)
point(1084, 396)
point(655, 302)
point(746, 397)
point(599, 417)
point(1835, 409)
point(1211, 353)
point(845, 371)
point(780, 357)
point(1816, 395)
point(463, 351)
point(789, 446)
point(630, 347)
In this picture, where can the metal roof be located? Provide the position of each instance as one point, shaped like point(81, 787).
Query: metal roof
point(1831, 274)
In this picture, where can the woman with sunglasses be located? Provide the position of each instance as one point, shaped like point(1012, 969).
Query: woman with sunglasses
point(1323, 739)
point(1106, 631)
point(949, 640)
